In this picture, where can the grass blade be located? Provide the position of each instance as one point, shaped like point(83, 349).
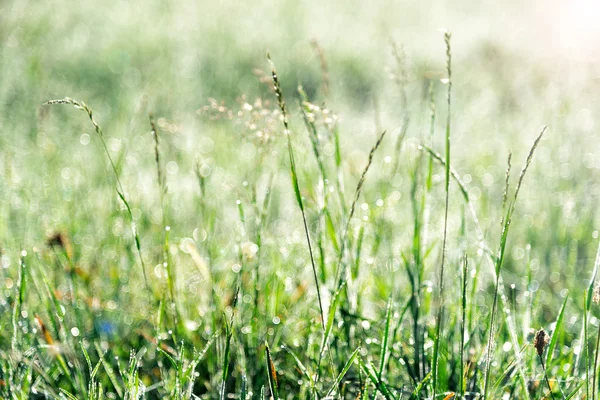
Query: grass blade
point(556, 332)
point(273, 385)
point(384, 342)
point(440, 315)
point(343, 372)
point(83, 107)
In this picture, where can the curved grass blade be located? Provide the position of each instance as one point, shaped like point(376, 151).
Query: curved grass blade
point(83, 107)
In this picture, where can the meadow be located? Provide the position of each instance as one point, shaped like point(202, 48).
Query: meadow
point(298, 200)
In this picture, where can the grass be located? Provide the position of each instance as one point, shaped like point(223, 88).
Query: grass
point(155, 248)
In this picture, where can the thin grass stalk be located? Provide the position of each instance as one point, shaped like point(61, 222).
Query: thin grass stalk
point(287, 133)
point(401, 78)
point(416, 273)
point(595, 370)
point(506, 184)
point(418, 328)
point(540, 342)
point(584, 341)
point(440, 314)
point(323, 200)
point(272, 375)
point(588, 299)
point(343, 372)
point(228, 337)
point(339, 171)
point(18, 303)
point(340, 270)
point(465, 271)
point(500, 260)
point(264, 212)
point(171, 282)
point(385, 341)
point(120, 191)
point(325, 85)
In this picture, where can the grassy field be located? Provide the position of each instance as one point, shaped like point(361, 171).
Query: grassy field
point(378, 209)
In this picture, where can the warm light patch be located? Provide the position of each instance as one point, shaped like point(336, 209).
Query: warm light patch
point(576, 27)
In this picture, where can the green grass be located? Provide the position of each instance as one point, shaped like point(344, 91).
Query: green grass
point(211, 228)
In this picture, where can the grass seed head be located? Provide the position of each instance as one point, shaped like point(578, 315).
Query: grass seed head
point(596, 296)
point(540, 341)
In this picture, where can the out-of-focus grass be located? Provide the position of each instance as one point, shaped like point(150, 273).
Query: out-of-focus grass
point(75, 313)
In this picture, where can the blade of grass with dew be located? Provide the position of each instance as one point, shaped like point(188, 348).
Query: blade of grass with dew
point(335, 300)
point(379, 385)
point(357, 255)
point(18, 303)
point(385, 340)
point(331, 231)
point(53, 307)
point(420, 386)
point(343, 372)
point(584, 343)
point(272, 374)
point(464, 276)
point(509, 369)
point(228, 337)
point(197, 358)
point(109, 370)
point(243, 390)
point(301, 366)
point(595, 367)
point(415, 268)
point(506, 186)
point(574, 392)
point(167, 259)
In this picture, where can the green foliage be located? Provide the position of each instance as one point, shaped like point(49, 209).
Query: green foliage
point(199, 278)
